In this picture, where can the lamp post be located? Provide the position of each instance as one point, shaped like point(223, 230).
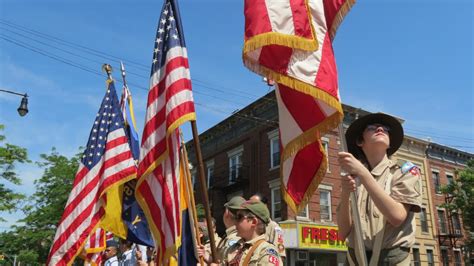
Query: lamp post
point(23, 109)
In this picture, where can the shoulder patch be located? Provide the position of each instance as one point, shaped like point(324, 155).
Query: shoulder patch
point(231, 242)
point(272, 251)
point(410, 167)
point(273, 260)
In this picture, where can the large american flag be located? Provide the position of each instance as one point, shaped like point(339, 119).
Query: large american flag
point(106, 162)
point(170, 103)
point(290, 41)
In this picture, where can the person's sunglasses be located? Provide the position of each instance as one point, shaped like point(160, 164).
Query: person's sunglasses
point(240, 216)
point(374, 127)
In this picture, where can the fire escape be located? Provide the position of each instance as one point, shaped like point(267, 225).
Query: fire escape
point(453, 232)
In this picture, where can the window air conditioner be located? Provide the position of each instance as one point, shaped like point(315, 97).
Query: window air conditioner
point(302, 255)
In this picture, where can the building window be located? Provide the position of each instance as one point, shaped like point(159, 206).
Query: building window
point(457, 258)
point(275, 190)
point(325, 205)
point(436, 182)
point(193, 177)
point(444, 256)
point(456, 224)
point(442, 222)
point(274, 138)
point(304, 213)
point(450, 178)
point(274, 152)
point(416, 257)
point(430, 257)
point(276, 204)
point(325, 143)
point(423, 221)
point(235, 164)
point(210, 173)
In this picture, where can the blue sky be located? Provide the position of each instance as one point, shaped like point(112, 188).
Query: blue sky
point(412, 59)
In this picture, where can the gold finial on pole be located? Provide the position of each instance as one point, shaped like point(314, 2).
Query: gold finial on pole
point(107, 69)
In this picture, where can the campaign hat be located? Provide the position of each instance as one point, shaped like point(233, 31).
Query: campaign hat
point(357, 127)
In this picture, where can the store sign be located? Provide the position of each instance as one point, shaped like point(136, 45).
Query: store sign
point(320, 237)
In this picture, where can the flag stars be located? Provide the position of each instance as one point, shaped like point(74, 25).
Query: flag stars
point(175, 36)
point(161, 30)
point(163, 21)
point(171, 18)
point(94, 130)
point(89, 162)
point(98, 154)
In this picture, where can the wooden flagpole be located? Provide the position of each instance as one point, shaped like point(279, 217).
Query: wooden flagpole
point(190, 190)
point(359, 246)
point(202, 181)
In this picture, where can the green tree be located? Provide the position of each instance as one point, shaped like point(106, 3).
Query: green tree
point(34, 236)
point(10, 155)
point(462, 190)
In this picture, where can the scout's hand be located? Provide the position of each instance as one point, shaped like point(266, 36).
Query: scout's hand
point(351, 165)
point(348, 184)
point(201, 251)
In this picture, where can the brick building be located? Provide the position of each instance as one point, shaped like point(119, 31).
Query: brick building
point(241, 157)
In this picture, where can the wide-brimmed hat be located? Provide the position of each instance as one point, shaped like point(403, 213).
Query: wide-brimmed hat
point(357, 127)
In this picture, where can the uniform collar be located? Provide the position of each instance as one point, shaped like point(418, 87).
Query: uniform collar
point(253, 241)
point(380, 168)
point(230, 230)
point(112, 259)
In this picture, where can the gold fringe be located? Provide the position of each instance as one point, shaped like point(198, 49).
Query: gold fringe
point(276, 38)
point(316, 180)
point(311, 135)
point(71, 261)
point(295, 84)
point(180, 121)
point(345, 8)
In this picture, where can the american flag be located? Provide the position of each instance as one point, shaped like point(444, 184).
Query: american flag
point(95, 246)
point(106, 162)
point(290, 41)
point(170, 104)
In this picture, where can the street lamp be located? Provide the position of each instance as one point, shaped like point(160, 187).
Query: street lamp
point(23, 109)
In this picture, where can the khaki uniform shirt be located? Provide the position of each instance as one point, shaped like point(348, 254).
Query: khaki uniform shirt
point(406, 189)
point(274, 235)
point(226, 242)
point(207, 245)
point(264, 254)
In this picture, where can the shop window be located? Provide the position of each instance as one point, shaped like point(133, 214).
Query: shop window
point(442, 222)
point(274, 149)
point(436, 182)
point(423, 221)
point(416, 257)
point(325, 205)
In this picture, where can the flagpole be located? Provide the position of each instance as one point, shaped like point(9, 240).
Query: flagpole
point(108, 69)
point(205, 198)
point(122, 69)
point(359, 246)
point(190, 190)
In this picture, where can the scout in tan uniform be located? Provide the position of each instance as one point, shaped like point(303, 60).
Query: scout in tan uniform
point(389, 194)
point(230, 237)
point(252, 248)
point(273, 232)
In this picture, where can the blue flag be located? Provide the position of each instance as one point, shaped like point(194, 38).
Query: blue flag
point(132, 215)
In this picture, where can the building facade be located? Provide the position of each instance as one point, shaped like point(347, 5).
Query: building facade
point(241, 157)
